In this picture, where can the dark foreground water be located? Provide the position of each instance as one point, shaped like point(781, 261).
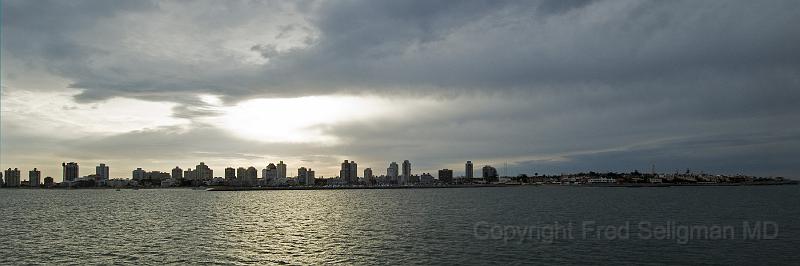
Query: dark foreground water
point(545, 225)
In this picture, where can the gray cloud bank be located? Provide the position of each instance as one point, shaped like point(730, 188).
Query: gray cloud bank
point(552, 85)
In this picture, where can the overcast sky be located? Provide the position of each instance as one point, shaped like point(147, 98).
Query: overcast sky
point(544, 86)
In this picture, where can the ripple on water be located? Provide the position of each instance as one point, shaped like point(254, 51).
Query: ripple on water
point(427, 226)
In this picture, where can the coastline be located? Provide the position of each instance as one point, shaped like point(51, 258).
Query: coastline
point(615, 185)
point(631, 185)
point(229, 188)
point(767, 183)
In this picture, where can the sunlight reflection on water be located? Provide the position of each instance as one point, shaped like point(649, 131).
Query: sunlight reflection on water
point(424, 226)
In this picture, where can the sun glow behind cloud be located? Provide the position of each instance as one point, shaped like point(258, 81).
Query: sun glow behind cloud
point(297, 120)
point(56, 114)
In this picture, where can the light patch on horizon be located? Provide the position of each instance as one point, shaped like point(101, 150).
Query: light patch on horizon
point(56, 114)
point(301, 119)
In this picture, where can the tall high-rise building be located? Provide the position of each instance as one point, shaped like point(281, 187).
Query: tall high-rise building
point(392, 172)
point(281, 167)
point(241, 172)
point(138, 174)
point(101, 171)
point(301, 175)
point(368, 175)
point(244, 176)
point(468, 170)
point(203, 172)
point(2, 183)
point(353, 172)
point(489, 173)
point(34, 177)
point(70, 171)
point(305, 176)
point(251, 175)
point(177, 173)
point(406, 172)
point(12, 177)
point(230, 173)
point(271, 172)
point(349, 172)
point(310, 177)
point(344, 171)
point(446, 176)
point(190, 174)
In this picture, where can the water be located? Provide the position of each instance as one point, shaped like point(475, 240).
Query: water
point(411, 226)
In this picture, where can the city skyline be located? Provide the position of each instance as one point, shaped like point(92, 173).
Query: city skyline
point(71, 171)
point(348, 174)
point(542, 86)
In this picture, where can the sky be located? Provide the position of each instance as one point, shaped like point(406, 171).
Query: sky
point(540, 86)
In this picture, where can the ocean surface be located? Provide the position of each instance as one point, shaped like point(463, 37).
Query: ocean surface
point(506, 225)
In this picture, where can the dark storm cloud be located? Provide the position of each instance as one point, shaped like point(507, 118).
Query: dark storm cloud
point(511, 45)
point(413, 46)
point(38, 31)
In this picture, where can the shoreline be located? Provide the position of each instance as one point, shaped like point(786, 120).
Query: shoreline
point(615, 185)
point(769, 183)
point(228, 188)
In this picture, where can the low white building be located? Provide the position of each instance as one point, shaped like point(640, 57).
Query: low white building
point(601, 180)
point(169, 182)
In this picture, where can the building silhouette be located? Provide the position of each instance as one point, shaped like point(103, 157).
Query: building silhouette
point(138, 174)
point(203, 172)
point(305, 176)
point(393, 172)
point(230, 173)
point(353, 172)
point(349, 172)
point(241, 172)
point(12, 177)
point(281, 167)
point(406, 177)
point(368, 177)
point(34, 177)
point(48, 181)
point(70, 171)
point(426, 178)
point(177, 173)
point(489, 173)
point(270, 173)
point(189, 174)
point(468, 172)
point(310, 177)
point(301, 175)
point(446, 176)
point(251, 175)
point(101, 171)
